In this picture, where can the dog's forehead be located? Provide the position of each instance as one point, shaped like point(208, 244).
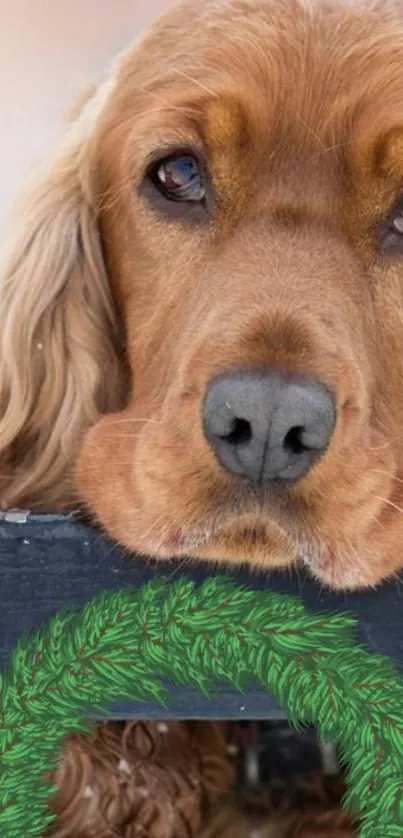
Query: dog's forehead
point(299, 76)
point(191, 28)
point(315, 55)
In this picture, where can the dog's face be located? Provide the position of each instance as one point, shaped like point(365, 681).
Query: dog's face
point(250, 163)
point(243, 166)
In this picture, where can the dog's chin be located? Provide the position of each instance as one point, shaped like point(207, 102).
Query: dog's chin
point(264, 548)
point(248, 543)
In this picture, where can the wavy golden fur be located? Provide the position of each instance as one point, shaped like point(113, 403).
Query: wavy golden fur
point(59, 334)
point(115, 315)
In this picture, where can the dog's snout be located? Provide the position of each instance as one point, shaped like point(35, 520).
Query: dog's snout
point(267, 426)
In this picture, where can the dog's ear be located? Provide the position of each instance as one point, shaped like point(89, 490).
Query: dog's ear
point(59, 347)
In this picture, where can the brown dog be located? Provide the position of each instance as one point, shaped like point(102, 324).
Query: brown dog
point(202, 305)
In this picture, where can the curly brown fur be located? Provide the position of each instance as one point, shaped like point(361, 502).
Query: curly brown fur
point(151, 779)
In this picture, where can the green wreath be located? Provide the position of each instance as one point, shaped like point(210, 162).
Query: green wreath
point(124, 644)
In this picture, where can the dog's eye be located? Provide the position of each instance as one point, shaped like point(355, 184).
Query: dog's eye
point(179, 178)
point(392, 230)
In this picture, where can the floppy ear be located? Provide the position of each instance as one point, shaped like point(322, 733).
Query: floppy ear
point(59, 346)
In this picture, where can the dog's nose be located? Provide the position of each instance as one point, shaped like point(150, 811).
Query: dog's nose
point(267, 426)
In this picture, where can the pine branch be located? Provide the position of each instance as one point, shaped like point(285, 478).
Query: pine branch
point(124, 645)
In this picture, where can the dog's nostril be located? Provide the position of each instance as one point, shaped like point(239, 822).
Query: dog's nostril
point(293, 442)
point(240, 433)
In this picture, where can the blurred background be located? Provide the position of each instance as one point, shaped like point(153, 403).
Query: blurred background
point(49, 50)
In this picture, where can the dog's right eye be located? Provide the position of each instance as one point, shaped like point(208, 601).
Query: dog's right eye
point(179, 178)
point(391, 240)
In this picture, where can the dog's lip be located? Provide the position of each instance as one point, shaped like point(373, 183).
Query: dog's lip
point(181, 539)
point(328, 567)
point(246, 516)
point(321, 561)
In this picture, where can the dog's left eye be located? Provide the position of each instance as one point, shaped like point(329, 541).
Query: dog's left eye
point(392, 230)
point(179, 178)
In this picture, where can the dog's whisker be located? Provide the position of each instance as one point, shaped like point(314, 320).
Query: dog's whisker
point(197, 82)
point(383, 445)
point(389, 503)
point(387, 474)
point(313, 133)
point(142, 421)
